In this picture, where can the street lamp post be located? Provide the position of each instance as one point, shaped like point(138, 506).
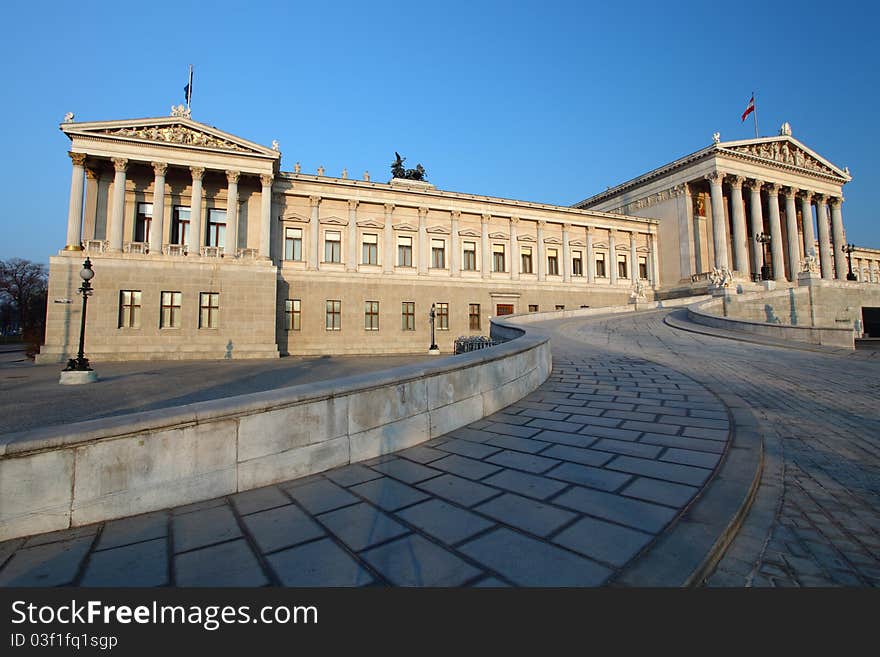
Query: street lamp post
point(433, 349)
point(78, 369)
point(764, 240)
point(848, 249)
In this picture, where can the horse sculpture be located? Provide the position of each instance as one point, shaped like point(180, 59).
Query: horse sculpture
point(398, 170)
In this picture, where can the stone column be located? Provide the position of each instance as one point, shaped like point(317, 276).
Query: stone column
point(824, 239)
point(566, 254)
point(195, 211)
point(423, 241)
point(90, 216)
point(757, 214)
point(542, 265)
point(231, 214)
point(838, 239)
point(633, 258)
point(655, 276)
point(351, 262)
point(266, 215)
point(75, 208)
point(314, 233)
point(454, 251)
point(389, 255)
point(794, 253)
point(740, 234)
point(157, 228)
point(117, 217)
point(807, 218)
point(591, 257)
point(862, 277)
point(775, 232)
point(484, 245)
point(612, 258)
point(719, 223)
point(514, 249)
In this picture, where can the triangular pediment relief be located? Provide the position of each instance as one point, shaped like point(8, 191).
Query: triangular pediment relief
point(293, 216)
point(577, 243)
point(406, 227)
point(439, 230)
point(552, 240)
point(525, 238)
point(642, 249)
point(467, 232)
point(621, 247)
point(499, 236)
point(788, 152)
point(602, 246)
point(370, 223)
point(334, 221)
point(173, 131)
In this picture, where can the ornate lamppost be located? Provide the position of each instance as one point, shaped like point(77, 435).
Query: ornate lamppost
point(764, 240)
point(848, 249)
point(78, 369)
point(433, 349)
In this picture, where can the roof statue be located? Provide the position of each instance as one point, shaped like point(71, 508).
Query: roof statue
point(181, 111)
point(785, 130)
point(275, 146)
point(716, 137)
point(398, 171)
point(68, 118)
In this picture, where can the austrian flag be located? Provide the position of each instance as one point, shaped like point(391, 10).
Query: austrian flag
point(750, 108)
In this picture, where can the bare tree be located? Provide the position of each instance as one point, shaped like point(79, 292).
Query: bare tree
point(24, 285)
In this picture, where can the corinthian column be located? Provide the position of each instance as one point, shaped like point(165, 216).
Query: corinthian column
point(807, 218)
point(824, 240)
point(719, 223)
point(794, 252)
point(542, 264)
point(484, 242)
point(351, 261)
point(612, 258)
point(591, 257)
point(74, 210)
point(514, 249)
point(157, 228)
point(231, 213)
point(266, 215)
point(314, 232)
point(388, 255)
point(120, 164)
point(566, 254)
point(740, 236)
point(775, 232)
point(838, 239)
point(454, 253)
point(633, 258)
point(757, 215)
point(423, 241)
point(195, 211)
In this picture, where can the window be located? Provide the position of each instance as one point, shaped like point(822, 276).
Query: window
point(504, 309)
point(404, 251)
point(209, 309)
point(553, 262)
point(577, 264)
point(442, 317)
point(600, 265)
point(180, 225)
point(498, 257)
point(142, 221)
point(216, 227)
point(292, 314)
point(438, 254)
point(526, 257)
point(643, 267)
point(533, 308)
point(469, 262)
point(170, 315)
point(334, 315)
point(129, 309)
point(560, 306)
point(370, 249)
point(293, 244)
point(474, 316)
point(371, 315)
point(408, 316)
point(621, 266)
point(332, 246)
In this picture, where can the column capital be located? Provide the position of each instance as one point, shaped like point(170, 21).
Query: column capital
point(566, 226)
point(197, 173)
point(805, 195)
point(120, 164)
point(159, 168)
point(790, 192)
point(485, 218)
point(267, 179)
point(91, 174)
point(314, 201)
point(755, 184)
point(389, 207)
point(736, 181)
point(773, 188)
point(632, 236)
point(590, 230)
point(820, 199)
point(352, 204)
point(835, 201)
point(232, 177)
point(456, 215)
point(715, 177)
point(423, 212)
point(78, 159)
point(541, 223)
point(514, 220)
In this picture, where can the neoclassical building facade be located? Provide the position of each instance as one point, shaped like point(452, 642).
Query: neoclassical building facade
point(203, 248)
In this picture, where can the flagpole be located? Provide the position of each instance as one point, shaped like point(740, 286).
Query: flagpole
point(755, 112)
point(189, 88)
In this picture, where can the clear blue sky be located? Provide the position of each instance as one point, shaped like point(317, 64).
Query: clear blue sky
point(543, 101)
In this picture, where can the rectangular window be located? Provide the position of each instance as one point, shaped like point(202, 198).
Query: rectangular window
point(334, 315)
point(370, 249)
point(600, 265)
point(180, 225)
point(526, 256)
point(498, 258)
point(442, 317)
point(533, 308)
point(209, 309)
point(577, 264)
point(292, 314)
point(404, 251)
point(560, 306)
point(438, 254)
point(371, 315)
point(408, 316)
point(143, 219)
point(469, 262)
point(553, 262)
point(293, 244)
point(474, 316)
point(504, 309)
point(643, 267)
point(170, 315)
point(332, 246)
point(129, 309)
point(216, 227)
point(621, 266)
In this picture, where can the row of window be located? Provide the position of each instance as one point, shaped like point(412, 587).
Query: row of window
point(293, 250)
point(180, 225)
point(333, 315)
point(169, 309)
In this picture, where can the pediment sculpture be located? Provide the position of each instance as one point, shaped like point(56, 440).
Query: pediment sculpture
point(784, 153)
point(176, 133)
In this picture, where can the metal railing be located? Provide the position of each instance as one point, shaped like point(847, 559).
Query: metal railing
point(466, 343)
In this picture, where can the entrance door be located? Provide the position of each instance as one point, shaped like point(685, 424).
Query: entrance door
point(504, 309)
point(871, 322)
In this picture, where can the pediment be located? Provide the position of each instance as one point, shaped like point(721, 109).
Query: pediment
point(552, 240)
point(642, 249)
point(441, 230)
point(370, 223)
point(293, 216)
point(172, 131)
point(785, 151)
point(406, 227)
point(499, 236)
point(334, 221)
point(577, 243)
point(525, 238)
point(603, 246)
point(467, 232)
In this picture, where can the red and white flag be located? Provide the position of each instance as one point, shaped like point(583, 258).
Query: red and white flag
point(750, 108)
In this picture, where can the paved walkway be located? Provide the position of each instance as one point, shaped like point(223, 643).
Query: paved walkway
point(564, 488)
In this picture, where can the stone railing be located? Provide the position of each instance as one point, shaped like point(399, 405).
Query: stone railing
point(73, 475)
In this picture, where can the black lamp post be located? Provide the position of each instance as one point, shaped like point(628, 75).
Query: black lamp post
point(848, 249)
point(432, 315)
point(81, 363)
point(764, 240)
